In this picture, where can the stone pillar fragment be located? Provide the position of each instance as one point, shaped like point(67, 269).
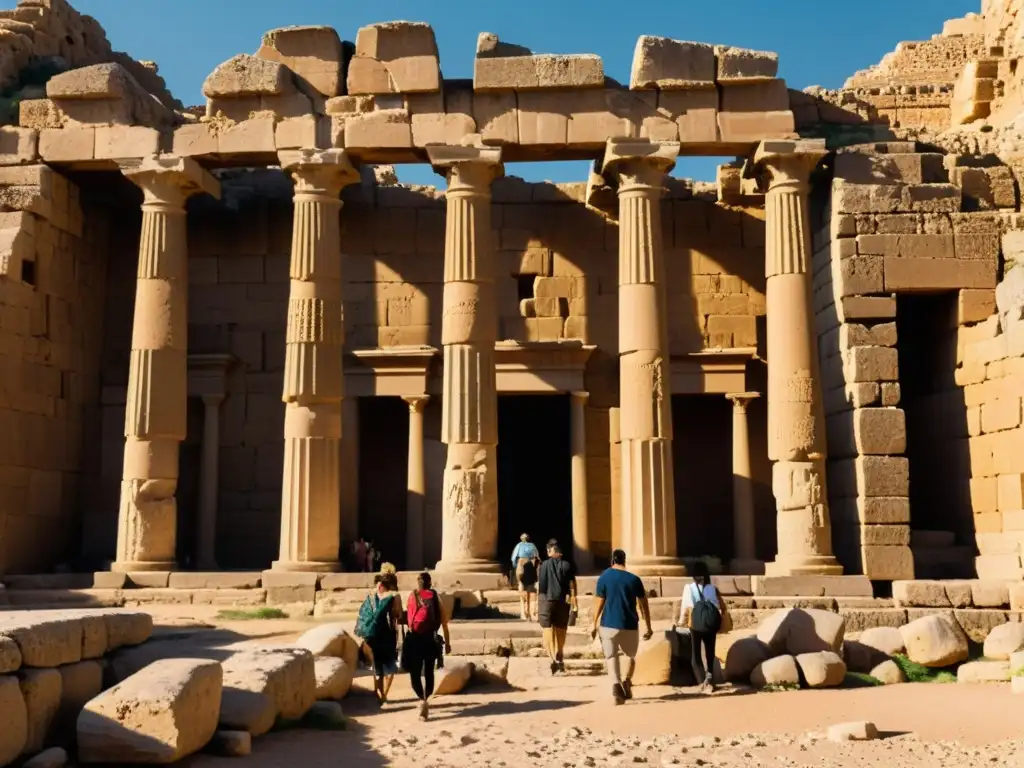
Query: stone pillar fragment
point(744, 525)
point(469, 330)
point(155, 414)
point(796, 417)
point(313, 382)
point(645, 419)
point(416, 485)
point(581, 551)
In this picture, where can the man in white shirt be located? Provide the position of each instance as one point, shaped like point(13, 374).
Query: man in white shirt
point(701, 589)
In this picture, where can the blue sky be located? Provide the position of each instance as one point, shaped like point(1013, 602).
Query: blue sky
point(820, 42)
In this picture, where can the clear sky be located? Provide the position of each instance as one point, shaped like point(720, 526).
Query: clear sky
point(820, 42)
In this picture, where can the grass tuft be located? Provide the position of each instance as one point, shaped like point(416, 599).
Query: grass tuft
point(780, 687)
point(258, 613)
point(918, 673)
point(860, 680)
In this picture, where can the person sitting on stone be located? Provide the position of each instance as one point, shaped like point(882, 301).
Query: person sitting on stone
point(525, 560)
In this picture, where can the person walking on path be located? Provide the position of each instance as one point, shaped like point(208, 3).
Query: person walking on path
point(525, 559)
point(556, 601)
point(702, 612)
point(421, 650)
point(616, 598)
point(380, 616)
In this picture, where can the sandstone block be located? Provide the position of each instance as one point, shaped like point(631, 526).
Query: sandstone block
point(746, 127)
point(1004, 640)
point(975, 305)
point(984, 672)
point(823, 669)
point(660, 62)
point(14, 734)
point(781, 670)
point(1006, 567)
point(119, 141)
point(80, 684)
point(333, 677)
point(743, 656)
point(331, 640)
point(802, 630)
point(654, 661)
point(159, 715)
point(314, 54)
point(860, 657)
point(63, 145)
point(496, 116)
point(920, 594)
point(394, 57)
point(934, 641)
point(888, 673)
point(385, 128)
point(280, 676)
point(745, 65)
point(860, 731)
point(903, 274)
point(41, 690)
point(18, 145)
point(504, 67)
point(44, 640)
point(257, 135)
point(859, 275)
point(245, 75)
point(127, 628)
point(990, 594)
point(453, 678)
point(887, 563)
point(880, 430)
point(765, 96)
point(10, 655)
point(871, 364)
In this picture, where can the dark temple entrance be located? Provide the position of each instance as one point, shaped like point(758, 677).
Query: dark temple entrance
point(534, 472)
point(383, 465)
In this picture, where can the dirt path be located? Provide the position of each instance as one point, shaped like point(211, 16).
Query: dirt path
point(574, 725)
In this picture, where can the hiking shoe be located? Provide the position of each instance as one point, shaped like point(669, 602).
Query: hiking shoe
point(619, 694)
point(627, 688)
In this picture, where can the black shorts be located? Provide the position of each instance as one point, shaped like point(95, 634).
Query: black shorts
point(553, 614)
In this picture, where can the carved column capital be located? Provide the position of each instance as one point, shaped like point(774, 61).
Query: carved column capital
point(416, 403)
point(167, 181)
point(639, 165)
point(319, 174)
point(741, 400)
point(469, 171)
point(581, 396)
point(788, 164)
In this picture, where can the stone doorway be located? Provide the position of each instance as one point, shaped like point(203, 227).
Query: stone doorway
point(383, 465)
point(534, 472)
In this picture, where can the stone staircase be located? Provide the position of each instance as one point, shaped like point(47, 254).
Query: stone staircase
point(937, 556)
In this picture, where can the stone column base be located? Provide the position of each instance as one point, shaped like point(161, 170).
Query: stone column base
point(127, 566)
point(654, 565)
point(472, 565)
point(305, 566)
point(738, 567)
point(821, 565)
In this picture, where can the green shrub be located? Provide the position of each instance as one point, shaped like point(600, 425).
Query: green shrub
point(258, 613)
point(918, 673)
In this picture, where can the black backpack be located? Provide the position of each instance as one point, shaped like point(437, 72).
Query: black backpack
point(704, 617)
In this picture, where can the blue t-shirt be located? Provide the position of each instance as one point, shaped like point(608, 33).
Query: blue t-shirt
point(525, 549)
point(620, 590)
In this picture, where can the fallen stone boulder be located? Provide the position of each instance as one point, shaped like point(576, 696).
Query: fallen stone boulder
point(161, 714)
point(55, 757)
point(823, 669)
point(934, 641)
point(331, 640)
point(984, 672)
point(887, 640)
point(742, 658)
point(782, 670)
point(10, 655)
point(860, 657)
point(654, 661)
point(802, 630)
point(1004, 640)
point(453, 678)
point(326, 714)
point(333, 678)
point(41, 690)
point(14, 733)
point(889, 673)
point(858, 731)
point(262, 684)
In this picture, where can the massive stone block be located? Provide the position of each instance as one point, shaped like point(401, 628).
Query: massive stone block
point(314, 54)
point(744, 65)
point(159, 715)
point(395, 57)
point(934, 641)
point(660, 62)
point(14, 734)
point(41, 689)
point(245, 75)
point(265, 683)
point(504, 67)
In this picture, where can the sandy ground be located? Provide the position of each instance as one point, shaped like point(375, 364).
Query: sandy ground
point(573, 723)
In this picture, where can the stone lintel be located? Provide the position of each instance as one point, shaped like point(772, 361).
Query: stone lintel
point(661, 154)
point(191, 177)
point(443, 157)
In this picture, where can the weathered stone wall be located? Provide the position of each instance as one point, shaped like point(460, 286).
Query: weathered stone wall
point(53, 261)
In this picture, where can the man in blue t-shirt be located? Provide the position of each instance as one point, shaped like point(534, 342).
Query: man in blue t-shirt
point(615, 614)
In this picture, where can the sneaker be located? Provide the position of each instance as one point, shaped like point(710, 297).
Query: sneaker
point(618, 694)
point(424, 711)
point(554, 667)
point(627, 688)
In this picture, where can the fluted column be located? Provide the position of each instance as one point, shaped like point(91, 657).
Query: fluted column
point(469, 330)
point(582, 553)
point(209, 480)
point(744, 531)
point(155, 414)
point(796, 417)
point(645, 399)
point(313, 383)
point(416, 484)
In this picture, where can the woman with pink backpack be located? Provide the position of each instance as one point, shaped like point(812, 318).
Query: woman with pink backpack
point(422, 649)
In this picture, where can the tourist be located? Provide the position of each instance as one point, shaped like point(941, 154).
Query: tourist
point(702, 612)
point(422, 646)
point(377, 626)
point(556, 601)
point(359, 554)
point(525, 558)
point(372, 557)
point(615, 612)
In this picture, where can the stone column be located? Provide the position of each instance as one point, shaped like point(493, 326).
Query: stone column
point(645, 399)
point(581, 552)
point(796, 417)
point(416, 485)
point(209, 478)
point(155, 415)
point(744, 533)
point(469, 330)
point(313, 381)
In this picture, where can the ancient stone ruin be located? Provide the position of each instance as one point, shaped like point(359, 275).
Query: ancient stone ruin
point(232, 341)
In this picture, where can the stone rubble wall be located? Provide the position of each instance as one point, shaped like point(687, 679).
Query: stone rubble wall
point(52, 296)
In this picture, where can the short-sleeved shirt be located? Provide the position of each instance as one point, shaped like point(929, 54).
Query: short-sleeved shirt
point(556, 574)
point(525, 549)
point(620, 590)
point(709, 592)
